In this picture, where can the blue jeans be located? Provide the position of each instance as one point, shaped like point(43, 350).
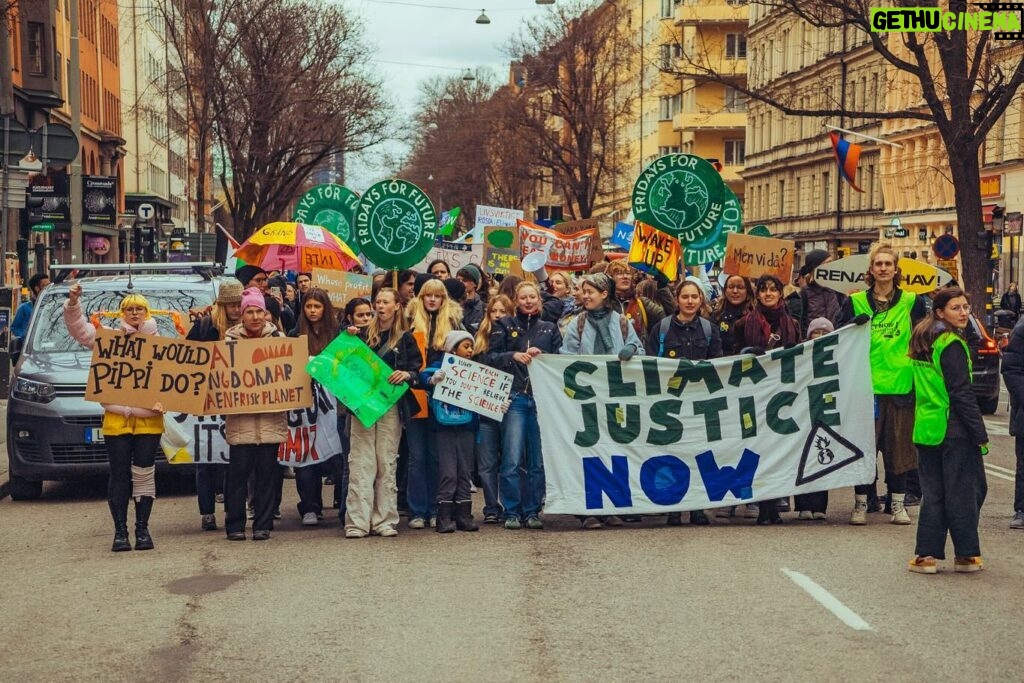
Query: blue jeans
point(522, 467)
point(421, 483)
point(488, 461)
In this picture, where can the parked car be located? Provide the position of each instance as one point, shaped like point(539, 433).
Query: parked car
point(985, 358)
point(53, 433)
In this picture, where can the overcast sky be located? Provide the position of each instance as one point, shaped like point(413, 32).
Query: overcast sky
point(414, 40)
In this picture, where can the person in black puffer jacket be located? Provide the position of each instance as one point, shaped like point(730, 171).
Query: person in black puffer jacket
point(515, 342)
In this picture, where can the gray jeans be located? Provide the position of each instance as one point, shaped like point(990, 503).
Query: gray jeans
point(455, 457)
point(953, 488)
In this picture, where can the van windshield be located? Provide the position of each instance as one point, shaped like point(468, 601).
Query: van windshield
point(50, 335)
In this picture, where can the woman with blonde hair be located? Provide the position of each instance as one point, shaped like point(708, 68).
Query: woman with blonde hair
point(131, 435)
point(488, 442)
point(431, 317)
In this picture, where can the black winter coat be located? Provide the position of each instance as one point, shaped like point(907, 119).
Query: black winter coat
point(686, 340)
point(514, 334)
point(965, 422)
point(1013, 376)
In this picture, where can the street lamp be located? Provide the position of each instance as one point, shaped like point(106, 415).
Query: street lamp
point(467, 75)
point(483, 18)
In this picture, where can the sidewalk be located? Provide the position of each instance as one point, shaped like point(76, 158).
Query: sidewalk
point(4, 479)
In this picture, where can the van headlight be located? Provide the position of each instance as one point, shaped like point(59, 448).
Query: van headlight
point(29, 390)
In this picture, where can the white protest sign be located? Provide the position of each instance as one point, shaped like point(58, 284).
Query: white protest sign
point(341, 285)
point(847, 275)
point(475, 387)
point(495, 215)
point(455, 254)
point(654, 435)
point(312, 432)
point(195, 439)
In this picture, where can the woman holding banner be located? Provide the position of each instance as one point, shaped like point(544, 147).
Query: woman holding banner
point(737, 301)
point(431, 317)
point(950, 437)
point(132, 435)
point(600, 330)
point(226, 312)
point(687, 334)
point(254, 439)
point(515, 342)
point(372, 502)
point(768, 326)
point(319, 325)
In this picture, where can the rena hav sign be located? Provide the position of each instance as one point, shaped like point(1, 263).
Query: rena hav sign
point(655, 435)
point(847, 275)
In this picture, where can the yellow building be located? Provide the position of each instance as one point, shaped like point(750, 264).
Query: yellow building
point(792, 180)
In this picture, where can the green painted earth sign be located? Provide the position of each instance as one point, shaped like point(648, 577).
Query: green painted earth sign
point(712, 247)
point(332, 207)
point(395, 224)
point(760, 231)
point(680, 194)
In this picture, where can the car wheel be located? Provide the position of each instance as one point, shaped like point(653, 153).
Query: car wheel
point(988, 405)
point(23, 489)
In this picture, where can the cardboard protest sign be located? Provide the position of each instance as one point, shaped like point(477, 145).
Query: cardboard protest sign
point(194, 439)
point(473, 386)
point(350, 370)
point(581, 226)
point(455, 254)
point(312, 432)
point(655, 252)
point(495, 215)
point(753, 257)
point(656, 435)
point(567, 252)
point(341, 285)
point(847, 275)
point(501, 250)
point(201, 378)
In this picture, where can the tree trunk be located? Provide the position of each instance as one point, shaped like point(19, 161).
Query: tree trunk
point(975, 261)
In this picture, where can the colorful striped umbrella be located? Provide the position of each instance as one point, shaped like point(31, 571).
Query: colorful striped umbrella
point(296, 246)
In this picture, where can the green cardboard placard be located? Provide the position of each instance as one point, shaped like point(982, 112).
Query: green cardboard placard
point(712, 247)
point(350, 370)
point(760, 231)
point(332, 207)
point(395, 224)
point(680, 194)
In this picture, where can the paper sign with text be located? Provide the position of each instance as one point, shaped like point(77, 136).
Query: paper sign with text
point(341, 285)
point(501, 250)
point(201, 378)
point(752, 257)
point(194, 439)
point(312, 432)
point(495, 215)
point(581, 226)
point(455, 254)
point(655, 252)
point(568, 252)
point(475, 387)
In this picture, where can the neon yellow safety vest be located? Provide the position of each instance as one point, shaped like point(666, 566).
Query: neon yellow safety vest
point(931, 409)
point(890, 343)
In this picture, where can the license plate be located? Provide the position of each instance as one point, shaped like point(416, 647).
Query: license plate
point(94, 435)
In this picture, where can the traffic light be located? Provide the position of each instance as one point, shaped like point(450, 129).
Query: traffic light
point(31, 215)
point(148, 244)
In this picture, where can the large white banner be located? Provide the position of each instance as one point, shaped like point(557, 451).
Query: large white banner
point(195, 439)
point(658, 435)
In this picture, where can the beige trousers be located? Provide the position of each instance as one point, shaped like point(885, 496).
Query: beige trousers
point(372, 502)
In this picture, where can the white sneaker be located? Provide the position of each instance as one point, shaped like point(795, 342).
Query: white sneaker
point(417, 523)
point(859, 516)
point(899, 514)
point(309, 519)
point(805, 514)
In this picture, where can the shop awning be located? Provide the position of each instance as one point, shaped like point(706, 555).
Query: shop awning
point(986, 212)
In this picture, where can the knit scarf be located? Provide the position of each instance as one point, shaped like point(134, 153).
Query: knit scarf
point(763, 320)
point(600, 320)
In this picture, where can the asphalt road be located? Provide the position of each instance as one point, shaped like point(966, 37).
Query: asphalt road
point(804, 601)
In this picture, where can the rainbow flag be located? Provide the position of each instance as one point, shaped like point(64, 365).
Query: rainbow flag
point(847, 156)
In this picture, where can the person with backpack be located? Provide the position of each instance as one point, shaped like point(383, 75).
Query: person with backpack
point(768, 326)
point(687, 334)
point(598, 330)
point(643, 313)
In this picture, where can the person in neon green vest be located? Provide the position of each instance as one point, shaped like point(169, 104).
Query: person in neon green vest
point(893, 312)
point(950, 437)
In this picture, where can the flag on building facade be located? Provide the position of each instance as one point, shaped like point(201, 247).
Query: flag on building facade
point(847, 156)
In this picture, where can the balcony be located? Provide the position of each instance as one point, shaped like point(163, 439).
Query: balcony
point(727, 68)
point(718, 120)
point(722, 13)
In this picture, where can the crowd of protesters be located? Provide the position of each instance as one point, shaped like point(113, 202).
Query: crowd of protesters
point(423, 458)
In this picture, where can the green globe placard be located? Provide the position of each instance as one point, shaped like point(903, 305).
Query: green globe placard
point(395, 224)
point(332, 207)
point(712, 247)
point(760, 231)
point(680, 194)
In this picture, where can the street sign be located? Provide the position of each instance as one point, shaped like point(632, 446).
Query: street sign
point(55, 143)
point(43, 227)
point(949, 265)
point(946, 247)
point(145, 211)
point(18, 140)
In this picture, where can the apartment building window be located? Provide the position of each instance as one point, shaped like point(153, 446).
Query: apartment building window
point(157, 179)
point(736, 3)
point(735, 152)
point(156, 126)
point(666, 9)
point(177, 164)
point(669, 106)
point(735, 46)
point(36, 49)
point(734, 100)
point(662, 151)
point(825, 193)
point(669, 53)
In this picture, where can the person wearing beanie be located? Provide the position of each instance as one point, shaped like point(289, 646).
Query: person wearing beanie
point(422, 279)
point(600, 329)
point(453, 432)
point(253, 439)
point(817, 301)
point(456, 290)
point(131, 435)
point(473, 306)
point(226, 312)
point(253, 276)
point(819, 327)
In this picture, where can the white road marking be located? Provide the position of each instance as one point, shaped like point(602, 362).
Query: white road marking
point(828, 601)
point(998, 475)
point(999, 469)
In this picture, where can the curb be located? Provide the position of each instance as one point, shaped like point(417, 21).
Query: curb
point(5, 489)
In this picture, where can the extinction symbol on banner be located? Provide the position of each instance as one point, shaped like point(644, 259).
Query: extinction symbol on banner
point(825, 452)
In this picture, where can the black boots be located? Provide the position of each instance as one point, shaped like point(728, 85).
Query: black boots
point(445, 523)
point(143, 506)
point(768, 513)
point(464, 516)
point(119, 511)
